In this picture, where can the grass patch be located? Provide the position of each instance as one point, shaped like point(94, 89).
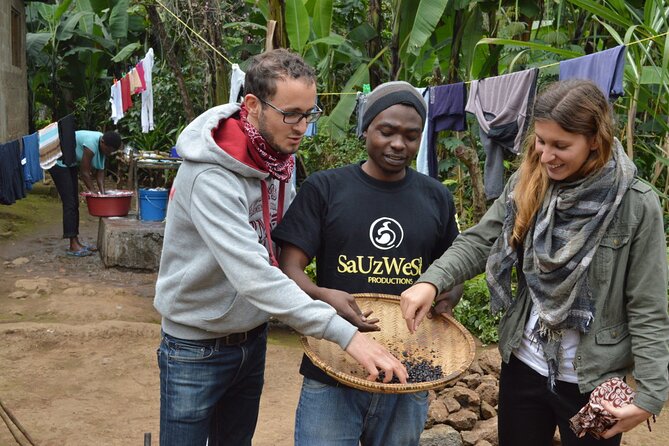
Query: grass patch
point(38, 208)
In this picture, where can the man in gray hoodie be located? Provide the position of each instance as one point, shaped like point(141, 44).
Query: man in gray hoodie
point(218, 282)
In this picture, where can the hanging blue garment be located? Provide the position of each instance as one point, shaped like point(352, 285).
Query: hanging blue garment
point(446, 111)
point(605, 68)
point(32, 171)
point(12, 186)
point(311, 129)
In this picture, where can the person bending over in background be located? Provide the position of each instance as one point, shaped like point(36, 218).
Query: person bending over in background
point(91, 151)
point(586, 238)
point(385, 213)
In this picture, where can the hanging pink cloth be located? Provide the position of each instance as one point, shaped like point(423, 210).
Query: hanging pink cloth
point(140, 72)
point(125, 93)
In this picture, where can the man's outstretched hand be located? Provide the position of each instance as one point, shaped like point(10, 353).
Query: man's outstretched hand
point(374, 357)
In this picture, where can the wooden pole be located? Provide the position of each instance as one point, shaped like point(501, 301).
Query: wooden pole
point(6, 413)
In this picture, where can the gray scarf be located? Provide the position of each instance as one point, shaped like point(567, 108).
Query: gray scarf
point(557, 252)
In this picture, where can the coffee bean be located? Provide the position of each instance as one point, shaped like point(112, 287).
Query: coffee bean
point(419, 370)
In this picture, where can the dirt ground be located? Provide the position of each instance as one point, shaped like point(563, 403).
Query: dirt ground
point(78, 341)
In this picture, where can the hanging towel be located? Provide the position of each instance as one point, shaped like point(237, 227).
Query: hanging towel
point(32, 172)
point(66, 127)
point(12, 185)
point(49, 146)
point(135, 82)
point(501, 105)
point(446, 111)
point(422, 156)
point(125, 93)
point(236, 82)
point(147, 95)
point(604, 68)
point(116, 100)
point(140, 73)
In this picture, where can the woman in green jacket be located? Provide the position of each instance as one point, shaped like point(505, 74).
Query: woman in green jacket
point(587, 241)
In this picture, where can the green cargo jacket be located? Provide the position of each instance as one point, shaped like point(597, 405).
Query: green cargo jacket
point(628, 278)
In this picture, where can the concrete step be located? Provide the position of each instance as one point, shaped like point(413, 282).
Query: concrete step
point(130, 243)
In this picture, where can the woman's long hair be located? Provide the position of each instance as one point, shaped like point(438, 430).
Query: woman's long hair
point(578, 106)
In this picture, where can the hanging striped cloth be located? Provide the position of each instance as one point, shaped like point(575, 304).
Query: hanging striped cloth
point(49, 146)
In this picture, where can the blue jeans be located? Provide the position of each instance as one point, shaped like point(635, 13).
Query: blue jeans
point(210, 391)
point(343, 416)
point(529, 412)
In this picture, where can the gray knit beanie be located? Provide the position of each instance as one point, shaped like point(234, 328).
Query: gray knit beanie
point(391, 93)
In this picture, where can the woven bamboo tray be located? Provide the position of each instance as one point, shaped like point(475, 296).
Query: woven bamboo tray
point(441, 340)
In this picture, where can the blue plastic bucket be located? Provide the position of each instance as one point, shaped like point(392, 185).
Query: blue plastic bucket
point(152, 204)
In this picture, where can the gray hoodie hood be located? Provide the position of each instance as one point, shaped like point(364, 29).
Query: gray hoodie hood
point(197, 144)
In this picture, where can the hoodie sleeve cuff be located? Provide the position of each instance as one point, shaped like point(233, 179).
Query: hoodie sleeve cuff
point(340, 331)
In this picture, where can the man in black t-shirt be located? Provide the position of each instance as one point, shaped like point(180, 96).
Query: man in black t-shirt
point(373, 227)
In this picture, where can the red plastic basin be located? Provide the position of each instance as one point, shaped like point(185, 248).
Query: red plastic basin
point(112, 204)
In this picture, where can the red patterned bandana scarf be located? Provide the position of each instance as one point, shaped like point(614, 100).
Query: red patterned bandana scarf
point(279, 165)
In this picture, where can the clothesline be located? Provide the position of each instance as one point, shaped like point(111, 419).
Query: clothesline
point(624, 44)
point(354, 92)
point(194, 32)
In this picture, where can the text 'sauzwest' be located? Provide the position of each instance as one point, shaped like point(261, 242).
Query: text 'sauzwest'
point(382, 270)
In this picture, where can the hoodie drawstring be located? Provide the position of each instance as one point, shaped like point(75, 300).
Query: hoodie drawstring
point(267, 219)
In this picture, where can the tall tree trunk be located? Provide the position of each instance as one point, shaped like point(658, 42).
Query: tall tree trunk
point(277, 12)
point(470, 158)
point(167, 52)
point(631, 114)
point(375, 19)
point(213, 24)
point(454, 64)
point(221, 81)
point(395, 47)
point(496, 50)
point(661, 167)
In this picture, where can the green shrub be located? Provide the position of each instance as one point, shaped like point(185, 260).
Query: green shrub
point(322, 152)
point(473, 311)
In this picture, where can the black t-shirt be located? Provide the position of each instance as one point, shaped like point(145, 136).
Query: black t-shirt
point(368, 236)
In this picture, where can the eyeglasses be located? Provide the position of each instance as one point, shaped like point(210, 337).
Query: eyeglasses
point(296, 117)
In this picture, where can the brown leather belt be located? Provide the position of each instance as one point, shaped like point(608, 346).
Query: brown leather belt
point(238, 338)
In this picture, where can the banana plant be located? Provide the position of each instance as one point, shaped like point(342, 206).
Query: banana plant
point(309, 30)
point(72, 44)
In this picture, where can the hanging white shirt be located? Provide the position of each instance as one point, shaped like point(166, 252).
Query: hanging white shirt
point(236, 83)
point(421, 158)
point(147, 95)
point(116, 100)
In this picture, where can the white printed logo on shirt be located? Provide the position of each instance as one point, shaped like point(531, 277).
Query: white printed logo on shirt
point(386, 233)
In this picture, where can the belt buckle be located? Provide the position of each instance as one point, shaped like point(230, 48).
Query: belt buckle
point(242, 337)
point(236, 338)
